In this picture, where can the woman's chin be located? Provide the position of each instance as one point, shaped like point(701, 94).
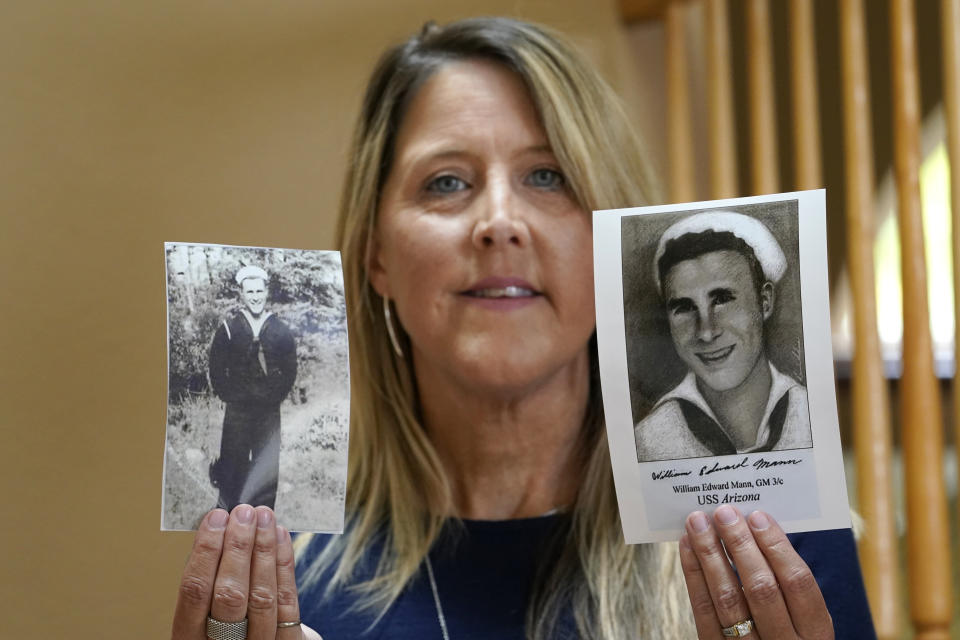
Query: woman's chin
point(513, 375)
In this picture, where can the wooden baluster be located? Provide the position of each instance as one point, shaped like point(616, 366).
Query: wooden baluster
point(723, 139)
point(763, 129)
point(806, 110)
point(680, 137)
point(950, 21)
point(871, 414)
point(922, 427)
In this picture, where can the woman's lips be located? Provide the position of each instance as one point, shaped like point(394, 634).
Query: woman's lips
point(717, 356)
point(502, 293)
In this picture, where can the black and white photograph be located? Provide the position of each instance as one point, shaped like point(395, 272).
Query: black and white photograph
point(714, 296)
point(258, 384)
point(729, 299)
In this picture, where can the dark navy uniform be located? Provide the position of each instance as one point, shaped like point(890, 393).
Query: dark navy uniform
point(252, 375)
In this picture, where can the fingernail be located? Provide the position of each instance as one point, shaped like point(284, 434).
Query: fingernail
point(698, 521)
point(217, 519)
point(244, 514)
point(281, 534)
point(758, 520)
point(725, 514)
point(264, 518)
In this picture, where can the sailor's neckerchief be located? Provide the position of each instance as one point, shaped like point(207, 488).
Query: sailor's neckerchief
point(706, 428)
point(256, 324)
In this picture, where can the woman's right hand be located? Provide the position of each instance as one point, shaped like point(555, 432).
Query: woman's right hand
point(241, 566)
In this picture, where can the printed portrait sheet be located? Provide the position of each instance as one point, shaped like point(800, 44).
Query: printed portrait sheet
point(258, 395)
point(716, 366)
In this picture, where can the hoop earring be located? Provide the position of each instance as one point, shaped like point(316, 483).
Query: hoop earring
point(388, 319)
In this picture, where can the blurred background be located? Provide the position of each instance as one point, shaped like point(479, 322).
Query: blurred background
point(127, 124)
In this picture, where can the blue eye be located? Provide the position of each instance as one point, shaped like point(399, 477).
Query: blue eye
point(446, 184)
point(546, 179)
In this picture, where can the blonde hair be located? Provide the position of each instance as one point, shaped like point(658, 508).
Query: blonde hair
point(397, 490)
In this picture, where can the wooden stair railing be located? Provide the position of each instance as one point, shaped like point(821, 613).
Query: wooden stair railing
point(930, 589)
point(873, 438)
point(928, 540)
point(680, 122)
point(764, 156)
point(950, 22)
point(722, 132)
point(803, 83)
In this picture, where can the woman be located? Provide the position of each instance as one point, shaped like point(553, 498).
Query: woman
point(481, 500)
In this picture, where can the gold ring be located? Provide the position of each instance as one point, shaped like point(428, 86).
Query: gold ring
point(738, 629)
point(284, 625)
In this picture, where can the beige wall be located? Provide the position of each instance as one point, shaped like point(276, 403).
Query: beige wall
point(125, 124)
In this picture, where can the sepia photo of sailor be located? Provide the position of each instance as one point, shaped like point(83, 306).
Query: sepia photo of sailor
point(258, 383)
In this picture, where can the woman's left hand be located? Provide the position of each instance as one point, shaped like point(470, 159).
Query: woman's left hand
point(775, 588)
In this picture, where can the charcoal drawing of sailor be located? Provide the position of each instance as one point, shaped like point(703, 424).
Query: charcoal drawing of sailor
point(716, 273)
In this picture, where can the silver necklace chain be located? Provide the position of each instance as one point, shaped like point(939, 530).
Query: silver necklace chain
point(436, 599)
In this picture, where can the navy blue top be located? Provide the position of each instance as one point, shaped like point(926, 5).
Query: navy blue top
point(484, 581)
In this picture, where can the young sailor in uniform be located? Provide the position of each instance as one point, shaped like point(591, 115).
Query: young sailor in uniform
point(717, 274)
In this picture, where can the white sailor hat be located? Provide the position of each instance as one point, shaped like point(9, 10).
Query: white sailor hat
point(750, 230)
point(250, 271)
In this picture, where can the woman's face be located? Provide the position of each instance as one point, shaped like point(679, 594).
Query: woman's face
point(479, 241)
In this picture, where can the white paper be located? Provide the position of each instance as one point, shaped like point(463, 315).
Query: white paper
point(641, 369)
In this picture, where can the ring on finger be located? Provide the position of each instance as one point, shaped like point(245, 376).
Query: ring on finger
point(738, 629)
point(220, 630)
point(284, 625)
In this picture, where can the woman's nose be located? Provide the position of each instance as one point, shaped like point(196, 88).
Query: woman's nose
point(500, 219)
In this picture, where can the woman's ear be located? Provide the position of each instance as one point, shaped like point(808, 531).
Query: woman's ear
point(376, 273)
